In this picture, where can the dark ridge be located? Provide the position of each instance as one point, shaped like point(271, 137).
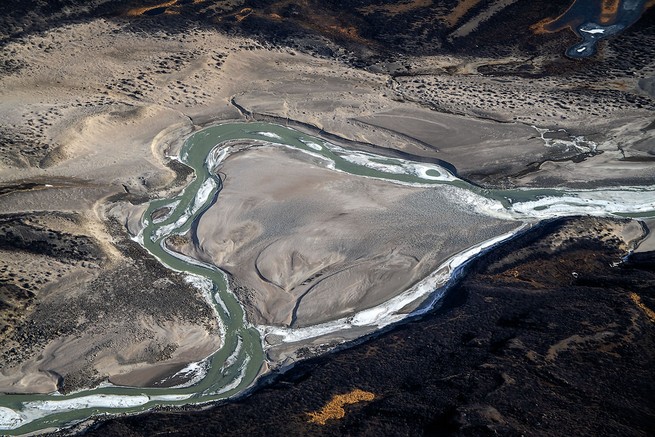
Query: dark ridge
point(18, 233)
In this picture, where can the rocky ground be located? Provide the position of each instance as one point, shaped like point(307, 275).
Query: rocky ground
point(552, 334)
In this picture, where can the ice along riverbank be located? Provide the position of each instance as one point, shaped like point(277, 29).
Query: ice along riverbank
point(235, 367)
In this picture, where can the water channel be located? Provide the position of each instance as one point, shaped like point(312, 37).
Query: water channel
point(236, 365)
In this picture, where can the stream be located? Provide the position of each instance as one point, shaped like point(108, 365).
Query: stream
point(235, 367)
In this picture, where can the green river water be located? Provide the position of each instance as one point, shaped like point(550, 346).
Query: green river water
point(235, 367)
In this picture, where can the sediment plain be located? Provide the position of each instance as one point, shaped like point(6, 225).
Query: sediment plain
point(310, 245)
point(97, 99)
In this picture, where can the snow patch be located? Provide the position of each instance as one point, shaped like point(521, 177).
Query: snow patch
point(311, 144)
point(269, 135)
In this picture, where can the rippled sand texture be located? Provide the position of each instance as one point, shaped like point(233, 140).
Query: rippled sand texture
point(306, 244)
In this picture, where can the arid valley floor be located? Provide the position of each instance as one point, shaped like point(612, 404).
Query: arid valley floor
point(550, 332)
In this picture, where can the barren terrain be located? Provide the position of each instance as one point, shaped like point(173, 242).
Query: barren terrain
point(310, 245)
point(97, 98)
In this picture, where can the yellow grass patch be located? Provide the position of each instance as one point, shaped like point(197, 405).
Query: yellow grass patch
point(637, 300)
point(334, 408)
point(243, 14)
point(140, 11)
point(609, 9)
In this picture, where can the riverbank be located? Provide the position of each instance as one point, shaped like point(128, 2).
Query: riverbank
point(89, 314)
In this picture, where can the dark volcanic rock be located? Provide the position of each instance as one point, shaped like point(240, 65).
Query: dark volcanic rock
point(544, 337)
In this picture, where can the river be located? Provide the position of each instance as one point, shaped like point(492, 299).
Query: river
point(234, 368)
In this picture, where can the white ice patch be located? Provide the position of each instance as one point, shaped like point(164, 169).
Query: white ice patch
point(218, 300)
point(189, 260)
point(593, 202)
point(91, 401)
point(421, 170)
point(206, 286)
point(478, 204)
point(269, 135)
point(237, 381)
point(10, 419)
point(311, 144)
point(328, 162)
point(31, 411)
point(166, 216)
point(234, 356)
point(195, 372)
point(202, 196)
point(593, 31)
point(205, 190)
point(171, 398)
point(395, 165)
point(596, 31)
point(168, 229)
point(186, 259)
point(200, 282)
point(216, 158)
point(138, 237)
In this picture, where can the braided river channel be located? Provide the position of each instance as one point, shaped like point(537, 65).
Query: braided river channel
point(235, 367)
